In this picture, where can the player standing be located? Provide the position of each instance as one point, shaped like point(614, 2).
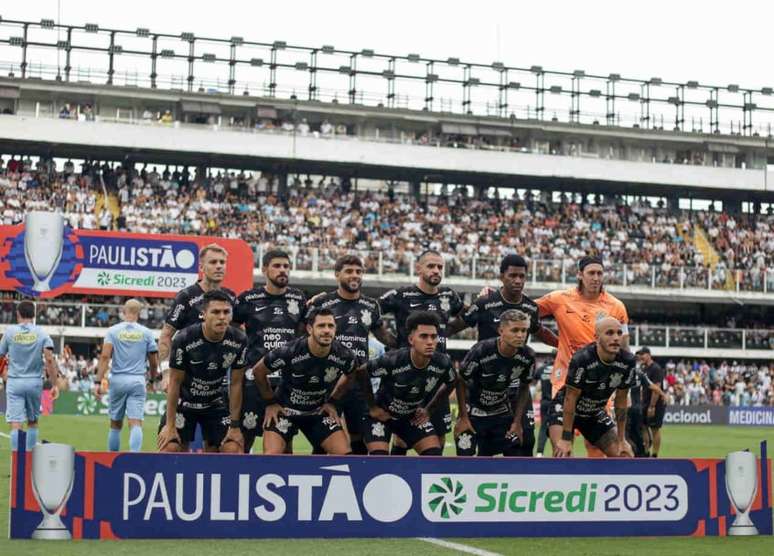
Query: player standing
point(595, 372)
point(408, 377)
point(427, 296)
point(490, 421)
point(272, 315)
point(203, 357)
point(129, 344)
point(653, 402)
point(356, 315)
point(29, 348)
point(310, 368)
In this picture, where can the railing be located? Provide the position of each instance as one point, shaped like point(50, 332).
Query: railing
point(544, 272)
point(651, 335)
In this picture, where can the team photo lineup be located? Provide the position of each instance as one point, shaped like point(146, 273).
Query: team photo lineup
point(269, 362)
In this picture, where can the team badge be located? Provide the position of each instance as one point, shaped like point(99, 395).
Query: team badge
point(250, 420)
point(465, 441)
point(445, 306)
point(615, 380)
point(431, 382)
point(179, 420)
point(293, 307)
point(283, 425)
point(377, 429)
point(365, 318)
point(331, 373)
point(228, 359)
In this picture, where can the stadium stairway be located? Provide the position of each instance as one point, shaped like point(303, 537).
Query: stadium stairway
point(711, 257)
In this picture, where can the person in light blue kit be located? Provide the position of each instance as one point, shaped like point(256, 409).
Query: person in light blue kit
point(129, 344)
point(28, 347)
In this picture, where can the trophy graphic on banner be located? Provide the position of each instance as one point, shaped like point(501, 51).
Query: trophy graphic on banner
point(43, 244)
point(741, 486)
point(53, 473)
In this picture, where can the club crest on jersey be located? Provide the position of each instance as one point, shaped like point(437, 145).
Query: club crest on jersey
point(250, 420)
point(615, 380)
point(445, 305)
point(330, 374)
point(431, 382)
point(377, 429)
point(283, 425)
point(293, 307)
point(365, 318)
point(228, 359)
point(465, 441)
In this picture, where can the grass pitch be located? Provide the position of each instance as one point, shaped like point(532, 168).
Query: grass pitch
point(90, 433)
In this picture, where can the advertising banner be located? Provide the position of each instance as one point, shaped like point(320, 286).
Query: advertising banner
point(128, 495)
point(696, 415)
point(86, 403)
point(44, 258)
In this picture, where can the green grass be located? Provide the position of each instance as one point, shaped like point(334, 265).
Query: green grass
point(90, 433)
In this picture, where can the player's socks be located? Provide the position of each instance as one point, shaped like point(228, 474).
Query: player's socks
point(135, 439)
point(432, 452)
point(398, 451)
point(14, 440)
point(378, 453)
point(32, 437)
point(114, 440)
point(654, 455)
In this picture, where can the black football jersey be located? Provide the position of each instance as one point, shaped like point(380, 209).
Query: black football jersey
point(656, 375)
point(641, 383)
point(484, 313)
point(447, 304)
point(271, 321)
point(490, 376)
point(403, 388)
point(355, 318)
point(206, 365)
point(598, 380)
point(186, 307)
point(305, 379)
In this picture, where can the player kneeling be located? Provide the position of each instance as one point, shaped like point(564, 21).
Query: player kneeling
point(595, 371)
point(491, 422)
point(406, 377)
point(312, 370)
point(200, 360)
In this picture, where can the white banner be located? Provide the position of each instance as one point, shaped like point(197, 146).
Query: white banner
point(140, 280)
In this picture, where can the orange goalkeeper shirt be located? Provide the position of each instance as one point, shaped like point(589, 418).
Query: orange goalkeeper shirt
point(576, 317)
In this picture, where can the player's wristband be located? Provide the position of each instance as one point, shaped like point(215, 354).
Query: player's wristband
point(270, 401)
point(234, 424)
point(567, 435)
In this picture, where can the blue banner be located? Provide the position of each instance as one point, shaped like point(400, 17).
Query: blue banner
point(142, 495)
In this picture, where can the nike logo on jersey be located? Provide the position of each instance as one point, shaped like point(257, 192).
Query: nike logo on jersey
point(415, 304)
point(197, 362)
point(259, 309)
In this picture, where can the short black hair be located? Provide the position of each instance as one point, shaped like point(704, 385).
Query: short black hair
point(345, 260)
point(272, 254)
point(429, 252)
point(215, 295)
point(422, 317)
point(26, 309)
point(512, 260)
point(317, 312)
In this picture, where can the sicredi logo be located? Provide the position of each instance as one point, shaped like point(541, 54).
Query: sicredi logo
point(501, 498)
point(330, 494)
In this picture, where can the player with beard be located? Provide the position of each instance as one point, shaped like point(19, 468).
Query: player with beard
point(310, 369)
point(490, 420)
point(576, 311)
point(356, 315)
point(272, 315)
point(407, 376)
point(428, 295)
point(595, 372)
point(484, 314)
point(204, 357)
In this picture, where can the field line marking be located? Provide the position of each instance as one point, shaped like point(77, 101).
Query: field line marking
point(458, 547)
point(4, 435)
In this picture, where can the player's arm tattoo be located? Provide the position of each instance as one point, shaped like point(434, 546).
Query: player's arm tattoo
point(385, 336)
point(571, 396)
point(523, 399)
point(104, 360)
point(165, 341)
point(620, 411)
point(457, 324)
point(260, 376)
point(547, 336)
point(176, 377)
point(361, 374)
point(235, 389)
point(462, 398)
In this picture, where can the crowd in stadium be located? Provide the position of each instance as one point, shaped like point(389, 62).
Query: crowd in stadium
point(329, 215)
